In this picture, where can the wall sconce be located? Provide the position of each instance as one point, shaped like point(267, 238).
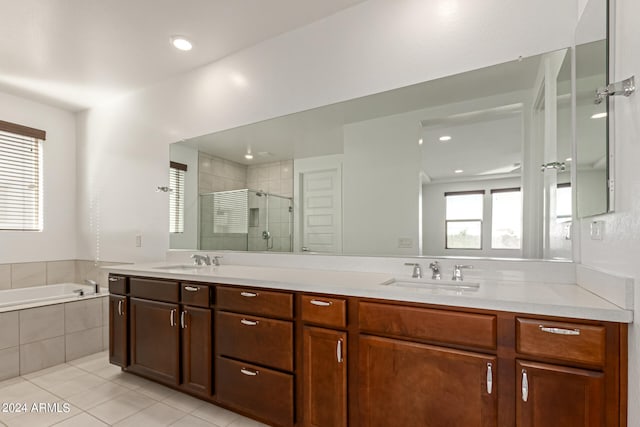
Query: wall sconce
point(163, 189)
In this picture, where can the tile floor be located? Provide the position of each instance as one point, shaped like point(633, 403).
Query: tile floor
point(91, 392)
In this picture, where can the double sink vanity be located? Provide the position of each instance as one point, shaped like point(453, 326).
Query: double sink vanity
point(317, 347)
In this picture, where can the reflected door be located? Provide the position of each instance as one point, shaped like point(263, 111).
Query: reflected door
point(321, 195)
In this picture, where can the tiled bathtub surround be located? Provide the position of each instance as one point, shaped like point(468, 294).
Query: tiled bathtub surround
point(37, 338)
point(26, 274)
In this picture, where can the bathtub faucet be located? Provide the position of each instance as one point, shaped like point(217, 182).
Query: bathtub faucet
point(96, 286)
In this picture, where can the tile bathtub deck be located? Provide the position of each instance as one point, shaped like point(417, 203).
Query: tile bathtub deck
point(91, 392)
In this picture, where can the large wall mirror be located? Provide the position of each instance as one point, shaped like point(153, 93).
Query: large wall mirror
point(450, 167)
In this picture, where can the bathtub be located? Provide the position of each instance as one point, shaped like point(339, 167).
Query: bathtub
point(36, 296)
point(44, 326)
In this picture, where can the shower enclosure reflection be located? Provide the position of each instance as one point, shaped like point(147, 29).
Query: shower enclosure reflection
point(245, 220)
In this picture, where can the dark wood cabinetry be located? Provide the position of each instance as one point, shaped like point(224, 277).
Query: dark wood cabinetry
point(324, 377)
point(118, 330)
point(409, 384)
point(559, 396)
point(155, 338)
point(291, 359)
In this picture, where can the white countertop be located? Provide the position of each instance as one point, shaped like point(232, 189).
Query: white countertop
point(564, 300)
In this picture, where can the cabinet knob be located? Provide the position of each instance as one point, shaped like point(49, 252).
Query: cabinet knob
point(339, 351)
point(172, 321)
point(525, 386)
point(559, 331)
point(183, 324)
point(114, 278)
point(489, 378)
point(191, 288)
point(120, 308)
point(249, 294)
point(320, 303)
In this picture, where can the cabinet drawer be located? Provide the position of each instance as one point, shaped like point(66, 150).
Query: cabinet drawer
point(571, 342)
point(265, 393)
point(324, 311)
point(154, 289)
point(195, 294)
point(117, 284)
point(256, 339)
point(468, 329)
point(255, 301)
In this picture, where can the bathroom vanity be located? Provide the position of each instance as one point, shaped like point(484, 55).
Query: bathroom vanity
point(325, 348)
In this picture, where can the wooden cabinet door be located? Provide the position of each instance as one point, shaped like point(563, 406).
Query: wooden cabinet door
point(118, 333)
point(325, 377)
point(155, 336)
point(408, 384)
point(195, 326)
point(558, 396)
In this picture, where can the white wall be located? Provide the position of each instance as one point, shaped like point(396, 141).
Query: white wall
point(57, 241)
point(187, 156)
point(618, 251)
point(377, 45)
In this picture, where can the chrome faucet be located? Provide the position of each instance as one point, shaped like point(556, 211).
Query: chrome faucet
point(417, 270)
point(435, 270)
point(457, 272)
point(201, 259)
point(96, 286)
point(216, 260)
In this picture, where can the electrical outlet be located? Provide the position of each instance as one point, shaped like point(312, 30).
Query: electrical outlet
point(405, 242)
point(597, 230)
point(138, 240)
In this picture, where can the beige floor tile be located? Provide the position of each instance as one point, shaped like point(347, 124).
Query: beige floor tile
point(155, 391)
point(156, 415)
point(56, 376)
point(43, 409)
point(182, 401)
point(216, 415)
point(81, 420)
point(130, 381)
point(95, 396)
point(109, 372)
point(121, 407)
point(191, 421)
point(76, 385)
point(93, 362)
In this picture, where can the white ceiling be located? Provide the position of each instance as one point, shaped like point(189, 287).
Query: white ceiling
point(75, 54)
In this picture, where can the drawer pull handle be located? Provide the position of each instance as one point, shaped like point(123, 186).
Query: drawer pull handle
point(171, 318)
point(191, 288)
point(114, 278)
point(559, 331)
point(183, 325)
point(249, 294)
point(489, 378)
point(120, 308)
point(249, 372)
point(249, 322)
point(339, 351)
point(525, 386)
point(320, 303)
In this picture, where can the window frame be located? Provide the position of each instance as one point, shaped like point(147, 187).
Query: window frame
point(505, 190)
point(30, 219)
point(447, 221)
point(177, 213)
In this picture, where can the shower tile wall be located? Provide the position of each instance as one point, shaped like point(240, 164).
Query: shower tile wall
point(216, 174)
point(276, 177)
point(27, 274)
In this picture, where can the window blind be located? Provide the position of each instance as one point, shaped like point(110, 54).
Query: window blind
point(176, 197)
point(20, 178)
point(230, 212)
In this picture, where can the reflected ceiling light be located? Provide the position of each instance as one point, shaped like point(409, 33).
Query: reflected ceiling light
point(420, 141)
point(445, 138)
point(181, 43)
point(248, 156)
point(458, 171)
point(599, 115)
point(568, 159)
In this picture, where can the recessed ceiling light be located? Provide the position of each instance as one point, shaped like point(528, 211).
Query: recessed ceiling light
point(599, 115)
point(420, 141)
point(445, 138)
point(458, 171)
point(181, 43)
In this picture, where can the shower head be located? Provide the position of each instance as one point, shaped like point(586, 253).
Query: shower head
point(261, 193)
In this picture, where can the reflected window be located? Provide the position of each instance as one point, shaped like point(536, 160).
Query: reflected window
point(463, 220)
point(506, 218)
point(563, 203)
point(177, 173)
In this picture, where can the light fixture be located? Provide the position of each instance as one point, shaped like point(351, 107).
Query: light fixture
point(458, 171)
point(420, 141)
point(445, 138)
point(248, 156)
point(599, 115)
point(568, 159)
point(181, 43)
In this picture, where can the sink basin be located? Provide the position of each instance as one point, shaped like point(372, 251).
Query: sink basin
point(435, 284)
point(180, 267)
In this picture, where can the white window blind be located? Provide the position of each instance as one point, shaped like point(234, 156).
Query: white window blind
point(20, 177)
point(230, 212)
point(177, 173)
